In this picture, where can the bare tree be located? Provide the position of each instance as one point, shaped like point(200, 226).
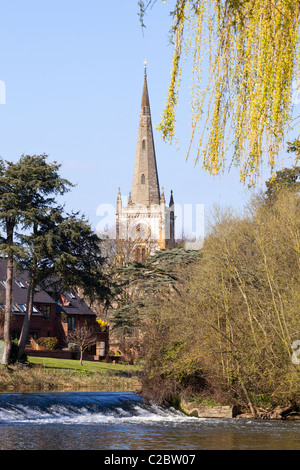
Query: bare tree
point(83, 338)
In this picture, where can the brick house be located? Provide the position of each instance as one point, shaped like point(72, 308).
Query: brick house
point(54, 315)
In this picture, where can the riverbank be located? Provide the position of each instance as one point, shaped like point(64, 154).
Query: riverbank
point(290, 412)
point(56, 375)
point(46, 374)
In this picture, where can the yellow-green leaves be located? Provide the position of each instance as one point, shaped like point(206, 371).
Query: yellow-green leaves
point(249, 52)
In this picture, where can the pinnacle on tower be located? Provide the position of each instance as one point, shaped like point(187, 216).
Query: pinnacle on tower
point(171, 203)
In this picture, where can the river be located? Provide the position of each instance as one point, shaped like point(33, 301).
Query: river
point(124, 421)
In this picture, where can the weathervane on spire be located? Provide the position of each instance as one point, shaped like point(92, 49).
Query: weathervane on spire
point(145, 66)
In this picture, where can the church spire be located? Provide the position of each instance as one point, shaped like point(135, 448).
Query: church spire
point(145, 186)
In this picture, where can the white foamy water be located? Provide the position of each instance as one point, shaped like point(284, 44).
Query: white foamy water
point(60, 414)
point(84, 409)
point(104, 421)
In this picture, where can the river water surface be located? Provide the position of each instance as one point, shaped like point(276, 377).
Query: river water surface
point(124, 421)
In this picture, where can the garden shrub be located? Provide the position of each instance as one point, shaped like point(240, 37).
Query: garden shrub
point(48, 343)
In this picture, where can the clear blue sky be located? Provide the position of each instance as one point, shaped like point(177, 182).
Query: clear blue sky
point(74, 73)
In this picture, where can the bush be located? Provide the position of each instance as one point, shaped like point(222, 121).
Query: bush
point(226, 334)
point(48, 343)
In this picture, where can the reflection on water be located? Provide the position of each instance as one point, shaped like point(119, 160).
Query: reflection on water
point(104, 421)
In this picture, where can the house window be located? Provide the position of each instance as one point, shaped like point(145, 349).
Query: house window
point(22, 307)
point(143, 179)
point(46, 311)
point(71, 323)
point(20, 284)
point(3, 282)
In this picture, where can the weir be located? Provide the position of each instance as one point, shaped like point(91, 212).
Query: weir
point(82, 407)
point(124, 421)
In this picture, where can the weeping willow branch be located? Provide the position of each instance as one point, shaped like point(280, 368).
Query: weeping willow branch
point(244, 57)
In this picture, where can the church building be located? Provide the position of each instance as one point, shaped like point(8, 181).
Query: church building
point(146, 223)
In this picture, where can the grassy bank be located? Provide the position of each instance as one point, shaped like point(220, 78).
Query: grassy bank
point(47, 374)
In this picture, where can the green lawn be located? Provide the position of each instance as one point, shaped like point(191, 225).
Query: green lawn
point(52, 363)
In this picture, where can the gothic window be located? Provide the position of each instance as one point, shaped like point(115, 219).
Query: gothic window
point(144, 110)
point(140, 254)
point(136, 255)
point(143, 179)
point(143, 144)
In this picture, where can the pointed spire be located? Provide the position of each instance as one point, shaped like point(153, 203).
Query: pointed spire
point(145, 186)
point(171, 203)
point(145, 95)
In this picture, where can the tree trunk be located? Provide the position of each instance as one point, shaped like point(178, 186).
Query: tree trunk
point(250, 404)
point(7, 317)
point(81, 354)
point(27, 318)
point(29, 307)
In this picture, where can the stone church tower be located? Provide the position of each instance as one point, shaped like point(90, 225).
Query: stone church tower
point(147, 223)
